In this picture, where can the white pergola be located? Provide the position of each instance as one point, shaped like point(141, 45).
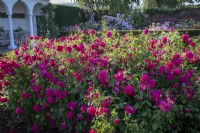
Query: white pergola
point(13, 6)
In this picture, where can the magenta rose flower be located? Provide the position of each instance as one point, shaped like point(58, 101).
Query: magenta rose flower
point(130, 110)
point(25, 95)
point(119, 76)
point(63, 125)
point(165, 106)
point(185, 38)
point(71, 105)
point(91, 110)
point(109, 34)
point(103, 77)
point(155, 95)
point(164, 39)
point(60, 48)
point(189, 55)
point(129, 90)
point(35, 128)
point(146, 31)
point(19, 110)
point(36, 108)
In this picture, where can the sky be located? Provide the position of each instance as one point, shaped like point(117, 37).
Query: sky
point(61, 1)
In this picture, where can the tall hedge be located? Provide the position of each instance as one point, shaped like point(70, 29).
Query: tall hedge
point(69, 15)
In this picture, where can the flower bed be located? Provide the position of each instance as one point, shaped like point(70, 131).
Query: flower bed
point(105, 83)
point(190, 32)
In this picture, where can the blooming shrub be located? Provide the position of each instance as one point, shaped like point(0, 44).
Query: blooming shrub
point(82, 26)
point(118, 23)
point(187, 24)
point(180, 24)
point(104, 82)
point(137, 17)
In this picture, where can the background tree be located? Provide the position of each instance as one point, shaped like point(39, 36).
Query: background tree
point(46, 24)
point(114, 6)
point(149, 4)
point(124, 6)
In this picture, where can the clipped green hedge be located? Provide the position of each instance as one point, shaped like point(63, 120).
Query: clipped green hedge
point(161, 11)
point(68, 15)
point(168, 11)
point(191, 32)
point(63, 34)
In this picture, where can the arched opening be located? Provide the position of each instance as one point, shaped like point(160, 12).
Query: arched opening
point(4, 25)
point(37, 12)
point(20, 21)
point(20, 16)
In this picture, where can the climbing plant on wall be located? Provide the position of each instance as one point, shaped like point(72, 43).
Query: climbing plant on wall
point(46, 24)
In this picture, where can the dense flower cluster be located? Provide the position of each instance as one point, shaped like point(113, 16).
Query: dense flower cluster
point(103, 83)
point(177, 24)
point(119, 22)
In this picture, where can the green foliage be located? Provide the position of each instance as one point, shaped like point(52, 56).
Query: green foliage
point(191, 32)
point(137, 19)
point(103, 124)
point(165, 10)
point(46, 25)
point(124, 6)
point(114, 6)
point(66, 16)
point(151, 4)
point(82, 81)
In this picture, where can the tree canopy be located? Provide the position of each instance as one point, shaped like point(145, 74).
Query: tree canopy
point(124, 6)
point(114, 6)
point(173, 3)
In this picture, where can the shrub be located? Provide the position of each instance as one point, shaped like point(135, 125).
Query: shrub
point(68, 15)
point(192, 32)
point(46, 25)
point(104, 82)
point(187, 24)
point(118, 23)
point(137, 19)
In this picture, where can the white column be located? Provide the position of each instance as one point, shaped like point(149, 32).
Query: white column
point(31, 24)
point(12, 43)
point(35, 24)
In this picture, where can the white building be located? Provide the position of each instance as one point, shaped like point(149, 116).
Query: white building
point(19, 13)
point(67, 3)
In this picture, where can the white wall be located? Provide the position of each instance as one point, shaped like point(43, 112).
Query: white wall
point(4, 23)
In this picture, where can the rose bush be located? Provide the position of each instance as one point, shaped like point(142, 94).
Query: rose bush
point(103, 82)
